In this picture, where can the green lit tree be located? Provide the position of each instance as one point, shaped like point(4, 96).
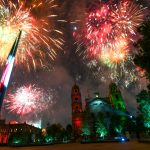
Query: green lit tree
point(118, 125)
point(100, 125)
point(86, 129)
point(55, 131)
point(101, 130)
point(48, 139)
point(119, 129)
point(143, 99)
point(143, 60)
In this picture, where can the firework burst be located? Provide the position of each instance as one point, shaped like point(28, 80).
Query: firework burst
point(106, 35)
point(95, 30)
point(116, 54)
point(105, 24)
point(27, 100)
point(126, 17)
point(40, 38)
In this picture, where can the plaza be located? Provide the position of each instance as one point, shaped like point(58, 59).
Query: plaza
point(133, 145)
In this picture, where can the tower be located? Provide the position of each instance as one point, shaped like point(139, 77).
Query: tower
point(76, 111)
point(116, 98)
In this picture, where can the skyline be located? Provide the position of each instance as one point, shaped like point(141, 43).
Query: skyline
point(67, 69)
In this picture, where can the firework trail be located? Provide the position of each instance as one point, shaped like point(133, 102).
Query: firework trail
point(123, 74)
point(40, 38)
point(29, 100)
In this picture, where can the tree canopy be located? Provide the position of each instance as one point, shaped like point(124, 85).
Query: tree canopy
point(143, 59)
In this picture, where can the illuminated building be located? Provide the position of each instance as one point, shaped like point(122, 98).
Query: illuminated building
point(97, 115)
point(17, 133)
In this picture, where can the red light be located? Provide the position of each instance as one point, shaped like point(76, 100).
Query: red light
point(13, 122)
point(78, 122)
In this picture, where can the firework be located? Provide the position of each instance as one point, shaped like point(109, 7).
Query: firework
point(122, 74)
point(105, 24)
point(105, 36)
point(95, 30)
point(126, 17)
point(116, 54)
point(40, 38)
point(28, 99)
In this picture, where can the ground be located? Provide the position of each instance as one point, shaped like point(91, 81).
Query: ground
point(97, 146)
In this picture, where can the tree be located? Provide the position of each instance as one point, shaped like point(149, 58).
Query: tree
point(55, 131)
point(117, 126)
point(100, 127)
point(143, 99)
point(101, 130)
point(69, 131)
point(86, 129)
point(143, 59)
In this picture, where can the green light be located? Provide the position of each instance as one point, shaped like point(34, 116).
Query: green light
point(119, 129)
point(143, 99)
point(49, 139)
point(16, 140)
point(86, 129)
point(101, 129)
point(116, 97)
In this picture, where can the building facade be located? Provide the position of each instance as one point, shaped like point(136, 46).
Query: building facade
point(99, 113)
point(14, 132)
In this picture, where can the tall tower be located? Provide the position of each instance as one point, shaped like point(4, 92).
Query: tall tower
point(76, 111)
point(116, 98)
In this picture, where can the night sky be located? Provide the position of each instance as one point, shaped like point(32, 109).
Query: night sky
point(59, 77)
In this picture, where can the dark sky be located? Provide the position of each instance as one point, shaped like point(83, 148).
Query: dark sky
point(68, 68)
